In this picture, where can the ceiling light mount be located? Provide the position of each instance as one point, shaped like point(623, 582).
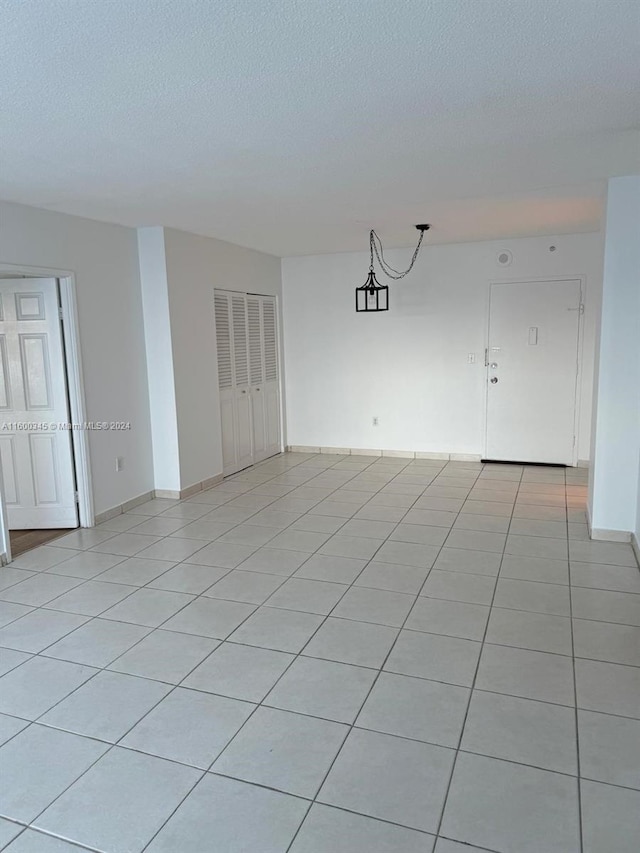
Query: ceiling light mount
point(373, 296)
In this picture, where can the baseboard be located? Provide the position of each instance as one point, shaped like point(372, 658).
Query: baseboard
point(397, 454)
point(127, 506)
point(3, 560)
point(601, 534)
point(635, 544)
point(583, 463)
point(187, 492)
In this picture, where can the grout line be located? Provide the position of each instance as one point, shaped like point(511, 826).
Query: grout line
point(576, 720)
point(472, 687)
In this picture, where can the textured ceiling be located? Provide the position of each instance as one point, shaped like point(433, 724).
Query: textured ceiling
point(293, 126)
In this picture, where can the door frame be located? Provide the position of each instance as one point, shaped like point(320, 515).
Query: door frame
point(581, 314)
point(75, 391)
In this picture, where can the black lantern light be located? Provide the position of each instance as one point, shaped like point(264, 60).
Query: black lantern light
point(373, 296)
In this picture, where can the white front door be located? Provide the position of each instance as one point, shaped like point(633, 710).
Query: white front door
point(37, 462)
point(532, 371)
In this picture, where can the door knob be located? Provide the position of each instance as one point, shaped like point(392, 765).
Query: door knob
point(493, 380)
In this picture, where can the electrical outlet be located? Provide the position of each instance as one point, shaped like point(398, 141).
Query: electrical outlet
point(119, 463)
point(375, 421)
point(471, 358)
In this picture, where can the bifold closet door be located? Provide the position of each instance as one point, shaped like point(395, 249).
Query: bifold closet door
point(248, 378)
point(263, 376)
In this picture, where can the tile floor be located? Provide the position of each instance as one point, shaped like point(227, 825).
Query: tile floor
point(327, 653)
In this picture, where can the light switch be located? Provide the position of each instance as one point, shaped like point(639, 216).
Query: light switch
point(533, 336)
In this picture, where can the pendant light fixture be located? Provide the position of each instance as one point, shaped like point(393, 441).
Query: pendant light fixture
point(373, 296)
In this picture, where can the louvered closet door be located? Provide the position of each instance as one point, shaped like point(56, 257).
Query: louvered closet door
point(244, 428)
point(233, 381)
point(271, 386)
point(256, 376)
point(248, 378)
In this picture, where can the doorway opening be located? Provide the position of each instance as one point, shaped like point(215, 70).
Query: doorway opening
point(45, 484)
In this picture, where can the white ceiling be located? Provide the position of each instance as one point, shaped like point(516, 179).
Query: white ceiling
point(293, 126)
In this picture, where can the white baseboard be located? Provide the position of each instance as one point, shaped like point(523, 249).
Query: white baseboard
point(635, 544)
point(127, 506)
point(396, 454)
point(187, 492)
point(124, 507)
point(601, 534)
point(583, 463)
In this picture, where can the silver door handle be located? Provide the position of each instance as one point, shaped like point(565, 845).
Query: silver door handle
point(493, 380)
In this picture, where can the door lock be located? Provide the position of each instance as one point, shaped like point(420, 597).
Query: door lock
point(493, 380)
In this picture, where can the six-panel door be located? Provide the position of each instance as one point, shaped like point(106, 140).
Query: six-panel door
point(37, 464)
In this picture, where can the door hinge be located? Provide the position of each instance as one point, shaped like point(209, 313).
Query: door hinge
point(581, 308)
point(76, 497)
point(60, 312)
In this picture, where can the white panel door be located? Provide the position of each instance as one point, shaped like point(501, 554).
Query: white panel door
point(532, 371)
point(37, 462)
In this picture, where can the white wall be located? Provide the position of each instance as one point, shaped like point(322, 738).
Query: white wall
point(409, 366)
point(614, 485)
point(104, 259)
point(157, 332)
point(194, 267)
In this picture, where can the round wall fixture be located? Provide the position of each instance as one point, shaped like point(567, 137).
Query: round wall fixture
point(504, 258)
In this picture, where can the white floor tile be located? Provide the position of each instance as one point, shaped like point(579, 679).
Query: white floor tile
point(521, 730)
point(289, 752)
point(244, 818)
point(391, 778)
point(610, 818)
point(25, 790)
point(241, 672)
point(189, 726)
point(321, 688)
point(141, 790)
point(505, 806)
point(415, 708)
point(326, 828)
